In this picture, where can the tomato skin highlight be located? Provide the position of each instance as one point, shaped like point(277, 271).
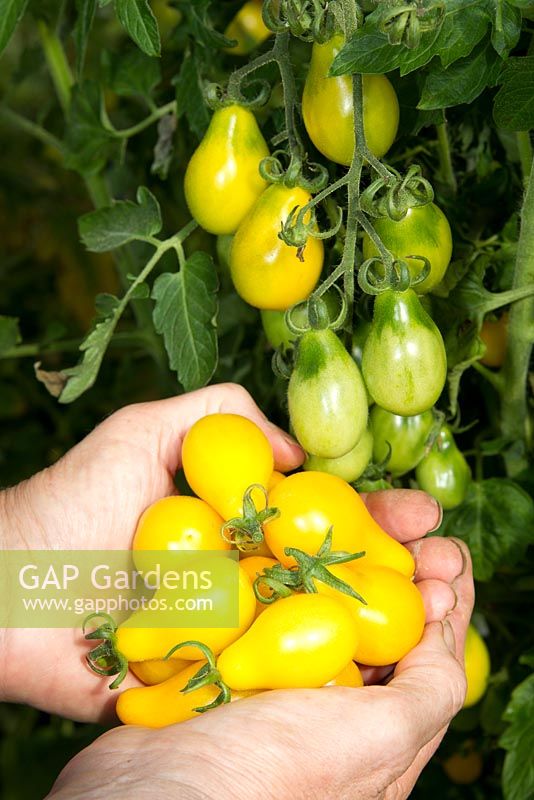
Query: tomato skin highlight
point(179, 523)
point(349, 466)
point(266, 272)
point(247, 28)
point(326, 396)
point(477, 667)
point(424, 231)
point(222, 455)
point(222, 181)
point(302, 641)
point(392, 622)
point(137, 643)
point(444, 473)
point(406, 435)
point(312, 502)
point(404, 363)
point(327, 107)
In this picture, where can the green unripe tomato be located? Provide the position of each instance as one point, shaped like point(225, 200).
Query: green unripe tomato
point(326, 396)
point(424, 231)
point(350, 466)
point(406, 436)
point(404, 363)
point(444, 473)
point(275, 326)
point(374, 486)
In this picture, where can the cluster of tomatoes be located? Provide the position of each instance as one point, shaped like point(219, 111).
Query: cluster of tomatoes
point(321, 586)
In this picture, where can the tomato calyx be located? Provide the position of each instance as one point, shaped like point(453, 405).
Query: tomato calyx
point(281, 580)
point(106, 659)
point(382, 274)
point(217, 97)
point(207, 675)
point(246, 532)
point(395, 195)
point(309, 22)
point(404, 23)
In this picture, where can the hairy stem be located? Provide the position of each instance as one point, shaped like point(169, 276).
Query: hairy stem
point(445, 159)
point(520, 336)
point(525, 153)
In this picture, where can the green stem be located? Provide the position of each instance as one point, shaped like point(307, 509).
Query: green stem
point(525, 153)
point(57, 64)
point(445, 158)
point(127, 133)
point(26, 125)
point(122, 339)
point(520, 340)
point(494, 378)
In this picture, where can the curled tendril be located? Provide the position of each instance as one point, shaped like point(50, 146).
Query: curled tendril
point(271, 16)
point(339, 321)
point(316, 177)
point(261, 93)
point(393, 197)
point(295, 231)
point(318, 315)
point(400, 276)
point(423, 274)
point(272, 167)
point(373, 277)
point(280, 366)
point(214, 95)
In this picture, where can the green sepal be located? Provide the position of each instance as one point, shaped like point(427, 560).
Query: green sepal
point(208, 674)
point(106, 659)
point(246, 532)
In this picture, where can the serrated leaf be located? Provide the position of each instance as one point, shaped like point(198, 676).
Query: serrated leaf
point(463, 347)
point(463, 81)
point(9, 332)
point(11, 12)
point(367, 53)
point(123, 222)
point(518, 740)
point(506, 26)
point(88, 144)
point(457, 40)
point(138, 20)
point(189, 97)
point(185, 308)
point(140, 292)
point(514, 103)
point(106, 304)
point(134, 73)
point(496, 520)
point(85, 10)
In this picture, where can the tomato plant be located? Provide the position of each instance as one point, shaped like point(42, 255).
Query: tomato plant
point(342, 149)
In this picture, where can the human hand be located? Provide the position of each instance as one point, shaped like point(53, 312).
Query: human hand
point(335, 742)
point(91, 500)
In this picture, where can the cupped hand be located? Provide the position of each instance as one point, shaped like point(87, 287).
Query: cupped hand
point(341, 743)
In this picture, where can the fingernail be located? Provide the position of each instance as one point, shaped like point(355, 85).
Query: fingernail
point(462, 554)
point(439, 512)
point(455, 601)
point(448, 635)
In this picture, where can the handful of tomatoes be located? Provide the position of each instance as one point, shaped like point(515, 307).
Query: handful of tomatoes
point(322, 588)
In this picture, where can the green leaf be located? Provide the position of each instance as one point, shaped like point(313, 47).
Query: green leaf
point(514, 103)
point(134, 73)
point(367, 53)
point(123, 222)
point(189, 97)
point(137, 18)
point(9, 333)
point(164, 149)
point(184, 313)
point(464, 347)
point(463, 81)
point(83, 375)
point(106, 304)
point(86, 12)
point(88, 144)
point(496, 520)
point(506, 26)
point(11, 12)
point(518, 740)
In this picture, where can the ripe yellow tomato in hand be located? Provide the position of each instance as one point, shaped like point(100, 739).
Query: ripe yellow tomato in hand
point(222, 455)
point(179, 523)
point(327, 107)
point(222, 181)
point(302, 641)
point(267, 272)
point(157, 670)
point(310, 503)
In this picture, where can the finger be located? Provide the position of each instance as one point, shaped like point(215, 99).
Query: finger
point(169, 420)
point(439, 599)
point(408, 780)
point(465, 593)
point(438, 557)
point(406, 514)
point(430, 684)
